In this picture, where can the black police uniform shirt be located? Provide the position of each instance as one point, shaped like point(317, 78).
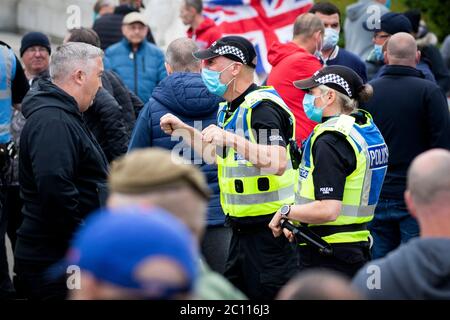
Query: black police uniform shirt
point(272, 121)
point(268, 118)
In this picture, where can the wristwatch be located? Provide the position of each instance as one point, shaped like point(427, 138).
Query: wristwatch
point(284, 211)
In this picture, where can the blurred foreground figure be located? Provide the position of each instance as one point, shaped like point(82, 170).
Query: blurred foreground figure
point(153, 258)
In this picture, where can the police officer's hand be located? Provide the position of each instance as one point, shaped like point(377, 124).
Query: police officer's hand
point(217, 136)
point(170, 124)
point(275, 225)
point(289, 235)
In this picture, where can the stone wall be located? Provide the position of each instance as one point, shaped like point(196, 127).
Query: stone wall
point(54, 17)
point(8, 15)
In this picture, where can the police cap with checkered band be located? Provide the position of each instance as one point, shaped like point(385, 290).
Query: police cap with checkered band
point(339, 78)
point(232, 47)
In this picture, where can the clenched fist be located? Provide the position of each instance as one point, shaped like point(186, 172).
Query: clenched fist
point(217, 136)
point(170, 124)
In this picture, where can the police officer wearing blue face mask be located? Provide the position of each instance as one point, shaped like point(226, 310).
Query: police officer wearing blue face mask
point(251, 146)
point(341, 173)
point(332, 54)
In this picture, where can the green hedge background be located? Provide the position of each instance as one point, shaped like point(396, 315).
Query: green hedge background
point(436, 13)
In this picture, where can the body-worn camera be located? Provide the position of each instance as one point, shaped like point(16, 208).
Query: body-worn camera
point(296, 153)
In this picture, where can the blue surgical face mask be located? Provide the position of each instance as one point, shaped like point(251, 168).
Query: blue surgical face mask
point(318, 52)
point(211, 79)
point(330, 39)
point(312, 112)
point(378, 52)
point(388, 4)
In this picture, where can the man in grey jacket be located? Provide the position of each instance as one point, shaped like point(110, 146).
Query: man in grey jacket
point(419, 269)
point(357, 39)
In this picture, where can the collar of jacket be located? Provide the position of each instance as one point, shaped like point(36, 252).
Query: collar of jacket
point(127, 44)
point(45, 94)
point(398, 70)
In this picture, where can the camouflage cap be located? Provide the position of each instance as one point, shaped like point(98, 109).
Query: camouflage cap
point(153, 169)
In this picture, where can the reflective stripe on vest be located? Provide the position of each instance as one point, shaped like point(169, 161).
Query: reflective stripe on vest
point(347, 210)
point(6, 92)
point(243, 185)
point(361, 192)
point(259, 198)
point(247, 171)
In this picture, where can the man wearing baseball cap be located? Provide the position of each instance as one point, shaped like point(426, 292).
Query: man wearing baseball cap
point(157, 177)
point(139, 63)
point(133, 253)
point(251, 147)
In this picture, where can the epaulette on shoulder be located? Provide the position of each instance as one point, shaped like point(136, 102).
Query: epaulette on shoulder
point(344, 124)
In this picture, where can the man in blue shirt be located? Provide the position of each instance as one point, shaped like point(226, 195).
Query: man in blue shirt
point(331, 53)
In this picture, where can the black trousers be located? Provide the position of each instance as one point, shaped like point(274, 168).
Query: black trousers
point(215, 246)
point(347, 258)
point(34, 281)
point(10, 220)
point(258, 263)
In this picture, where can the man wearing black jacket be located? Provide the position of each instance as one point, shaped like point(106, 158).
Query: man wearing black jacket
point(62, 168)
point(413, 117)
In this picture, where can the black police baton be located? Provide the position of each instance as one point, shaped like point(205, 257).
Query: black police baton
point(304, 234)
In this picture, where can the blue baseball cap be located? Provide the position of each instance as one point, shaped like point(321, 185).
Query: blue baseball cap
point(391, 23)
point(114, 242)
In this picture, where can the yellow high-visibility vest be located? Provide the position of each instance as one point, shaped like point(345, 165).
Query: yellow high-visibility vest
point(362, 187)
point(245, 190)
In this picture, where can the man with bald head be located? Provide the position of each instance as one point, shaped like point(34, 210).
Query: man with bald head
point(402, 50)
point(421, 268)
point(412, 115)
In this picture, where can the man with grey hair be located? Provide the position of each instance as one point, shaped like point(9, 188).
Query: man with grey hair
point(412, 115)
point(183, 94)
point(62, 169)
point(419, 269)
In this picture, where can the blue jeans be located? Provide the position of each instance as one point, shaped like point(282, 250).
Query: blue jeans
point(392, 225)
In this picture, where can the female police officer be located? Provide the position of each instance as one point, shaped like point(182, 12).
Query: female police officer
point(341, 173)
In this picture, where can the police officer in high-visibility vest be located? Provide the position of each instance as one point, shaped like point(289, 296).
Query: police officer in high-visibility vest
point(250, 145)
point(341, 172)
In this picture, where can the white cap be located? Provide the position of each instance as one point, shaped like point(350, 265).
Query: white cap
point(133, 17)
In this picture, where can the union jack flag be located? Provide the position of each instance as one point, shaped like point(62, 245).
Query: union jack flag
point(260, 21)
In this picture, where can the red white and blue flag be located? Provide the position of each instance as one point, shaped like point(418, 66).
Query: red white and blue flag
point(260, 21)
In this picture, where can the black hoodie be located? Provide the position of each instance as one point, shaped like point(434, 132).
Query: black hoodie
point(62, 173)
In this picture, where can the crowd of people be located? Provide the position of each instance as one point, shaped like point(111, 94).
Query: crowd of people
point(174, 175)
